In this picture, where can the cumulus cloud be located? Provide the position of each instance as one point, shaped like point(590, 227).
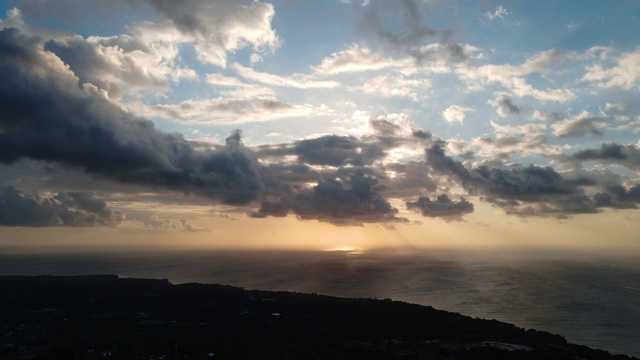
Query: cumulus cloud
point(522, 140)
point(351, 202)
point(578, 125)
point(624, 74)
point(514, 77)
point(442, 206)
point(49, 116)
point(330, 150)
point(455, 113)
point(626, 155)
point(540, 190)
point(113, 63)
point(619, 197)
point(64, 209)
point(505, 106)
point(214, 28)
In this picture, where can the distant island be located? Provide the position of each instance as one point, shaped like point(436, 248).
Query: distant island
point(108, 317)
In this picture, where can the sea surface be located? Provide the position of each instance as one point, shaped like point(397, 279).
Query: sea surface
point(589, 299)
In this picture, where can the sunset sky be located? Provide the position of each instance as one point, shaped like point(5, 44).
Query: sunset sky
point(333, 124)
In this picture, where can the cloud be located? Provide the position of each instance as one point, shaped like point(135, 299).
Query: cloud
point(619, 197)
point(191, 228)
point(577, 125)
point(214, 28)
point(442, 206)
point(231, 110)
point(522, 140)
point(399, 24)
point(233, 88)
point(499, 13)
point(626, 155)
point(625, 74)
point(514, 77)
point(330, 201)
point(620, 111)
point(295, 81)
point(119, 61)
point(388, 85)
point(157, 223)
point(357, 58)
point(63, 209)
point(329, 150)
point(455, 113)
point(502, 103)
point(532, 190)
point(48, 115)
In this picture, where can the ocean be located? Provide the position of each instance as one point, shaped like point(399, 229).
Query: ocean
point(589, 299)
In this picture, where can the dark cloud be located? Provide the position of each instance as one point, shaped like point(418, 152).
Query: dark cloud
point(626, 155)
point(423, 135)
point(404, 180)
point(399, 23)
point(609, 151)
point(531, 190)
point(337, 151)
point(383, 127)
point(523, 183)
point(442, 206)
point(64, 209)
point(506, 103)
point(403, 26)
point(330, 201)
point(618, 197)
point(331, 150)
point(441, 163)
point(48, 116)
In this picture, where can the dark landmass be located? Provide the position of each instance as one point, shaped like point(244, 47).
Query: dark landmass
point(107, 317)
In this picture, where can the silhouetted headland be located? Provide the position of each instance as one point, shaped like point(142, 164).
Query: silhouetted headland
point(107, 317)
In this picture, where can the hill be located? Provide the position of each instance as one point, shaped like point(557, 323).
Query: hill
point(107, 317)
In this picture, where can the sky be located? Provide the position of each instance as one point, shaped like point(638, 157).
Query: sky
point(334, 124)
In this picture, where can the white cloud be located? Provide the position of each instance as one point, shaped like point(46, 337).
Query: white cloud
point(14, 19)
point(237, 88)
point(296, 81)
point(455, 113)
point(499, 13)
point(625, 74)
point(513, 77)
point(232, 111)
point(357, 58)
point(620, 111)
point(255, 58)
point(578, 125)
point(538, 116)
point(388, 85)
point(215, 28)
